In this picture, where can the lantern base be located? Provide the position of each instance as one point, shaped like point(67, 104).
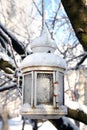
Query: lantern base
point(43, 112)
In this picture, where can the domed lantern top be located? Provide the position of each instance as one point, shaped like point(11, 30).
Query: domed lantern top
point(43, 48)
point(43, 43)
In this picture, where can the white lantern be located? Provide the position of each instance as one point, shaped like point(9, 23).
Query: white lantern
point(43, 80)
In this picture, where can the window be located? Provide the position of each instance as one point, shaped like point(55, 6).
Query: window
point(27, 88)
point(39, 88)
point(44, 88)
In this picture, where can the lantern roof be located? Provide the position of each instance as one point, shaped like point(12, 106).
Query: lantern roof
point(43, 48)
point(43, 59)
point(44, 42)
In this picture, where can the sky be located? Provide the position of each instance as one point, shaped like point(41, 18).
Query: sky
point(62, 23)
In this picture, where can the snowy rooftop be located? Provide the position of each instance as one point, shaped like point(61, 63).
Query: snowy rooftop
point(43, 59)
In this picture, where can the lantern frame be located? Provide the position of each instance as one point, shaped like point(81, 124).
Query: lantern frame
point(33, 87)
point(43, 110)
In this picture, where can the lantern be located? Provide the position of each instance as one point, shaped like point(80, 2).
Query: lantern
point(43, 80)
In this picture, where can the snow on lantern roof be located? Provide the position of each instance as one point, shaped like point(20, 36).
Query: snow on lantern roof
point(43, 59)
point(44, 42)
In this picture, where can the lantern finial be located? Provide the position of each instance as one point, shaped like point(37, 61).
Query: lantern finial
point(43, 18)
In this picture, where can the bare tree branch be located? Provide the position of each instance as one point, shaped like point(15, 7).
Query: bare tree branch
point(78, 115)
point(84, 56)
point(4, 88)
point(3, 43)
point(54, 18)
point(81, 61)
point(17, 45)
point(41, 16)
point(6, 64)
point(63, 123)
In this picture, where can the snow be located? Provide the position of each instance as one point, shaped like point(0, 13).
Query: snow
point(16, 123)
point(43, 59)
point(15, 119)
point(75, 105)
point(68, 122)
point(83, 126)
point(44, 43)
point(28, 127)
point(2, 55)
point(26, 107)
point(83, 108)
point(72, 105)
point(47, 125)
point(5, 57)
point(44, 39)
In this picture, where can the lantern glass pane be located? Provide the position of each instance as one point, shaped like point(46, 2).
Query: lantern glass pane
point(61, 89)
point(27, 88)
point(44, 88)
